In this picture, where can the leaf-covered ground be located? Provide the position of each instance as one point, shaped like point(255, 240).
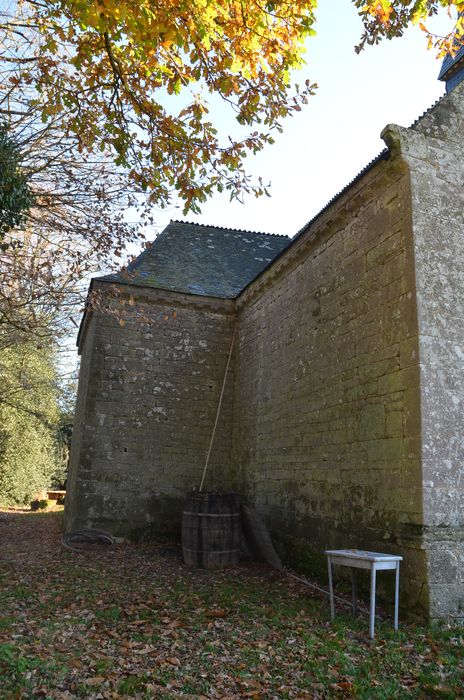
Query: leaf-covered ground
point(133, 622)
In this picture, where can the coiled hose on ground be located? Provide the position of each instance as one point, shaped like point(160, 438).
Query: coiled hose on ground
point(86, 536)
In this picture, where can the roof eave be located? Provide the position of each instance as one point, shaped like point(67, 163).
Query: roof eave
point(85, 319)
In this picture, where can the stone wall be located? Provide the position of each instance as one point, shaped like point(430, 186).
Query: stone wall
point(327, 409)
point(434, 152)
point(343, 418)
point(151, 375)
point(80, 437)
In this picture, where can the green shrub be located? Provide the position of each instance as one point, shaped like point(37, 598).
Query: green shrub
point(28, 418)
point(15, 195)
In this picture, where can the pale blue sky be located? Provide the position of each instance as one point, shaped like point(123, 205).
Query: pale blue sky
point(338, 132)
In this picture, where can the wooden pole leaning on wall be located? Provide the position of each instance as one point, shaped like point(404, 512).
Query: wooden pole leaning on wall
point(218, 409)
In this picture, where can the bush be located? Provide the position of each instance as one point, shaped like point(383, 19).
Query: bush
point(26, 460)
point(15, 195)
point(28, 416)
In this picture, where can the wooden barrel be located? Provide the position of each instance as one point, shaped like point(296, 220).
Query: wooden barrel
point(211, 530)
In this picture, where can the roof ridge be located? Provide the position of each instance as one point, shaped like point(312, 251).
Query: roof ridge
point(227, 228)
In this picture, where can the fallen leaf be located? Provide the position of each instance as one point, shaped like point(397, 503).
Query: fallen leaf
point(216, 613)
point(96, 680)
point(344, 685)
point(173, 660)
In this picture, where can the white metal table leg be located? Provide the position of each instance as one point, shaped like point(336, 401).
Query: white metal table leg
point(397, 593)
point(331, 593)
point(372, 606)
point(354, 592)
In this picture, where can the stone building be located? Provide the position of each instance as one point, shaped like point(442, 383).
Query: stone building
point(343, 414)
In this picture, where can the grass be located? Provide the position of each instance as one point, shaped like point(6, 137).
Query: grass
point(133, 622)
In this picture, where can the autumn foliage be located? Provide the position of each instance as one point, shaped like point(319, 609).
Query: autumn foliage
point(121, 105)
point(110, 70)
point(107, 69)
point(390, 18)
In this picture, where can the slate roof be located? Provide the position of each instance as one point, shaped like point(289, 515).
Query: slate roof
point(204, 260)
point(452, 69)
point(450, 61)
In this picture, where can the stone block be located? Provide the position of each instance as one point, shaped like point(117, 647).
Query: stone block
point(381, 253)
point(394, 424)
point(444, 567)
point(446, 601)
point(386, 450)
point(400, 380)
point(371, 422)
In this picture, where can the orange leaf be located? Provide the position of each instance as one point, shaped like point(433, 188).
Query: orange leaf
point(173, 660)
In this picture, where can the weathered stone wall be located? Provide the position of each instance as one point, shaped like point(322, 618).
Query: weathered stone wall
point(434, 151)
point(79, 437)
point(153, 367)
point(326, 410)
point(343, 418)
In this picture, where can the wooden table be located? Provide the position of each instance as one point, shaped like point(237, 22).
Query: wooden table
point(360, 559)
point(55, 495)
